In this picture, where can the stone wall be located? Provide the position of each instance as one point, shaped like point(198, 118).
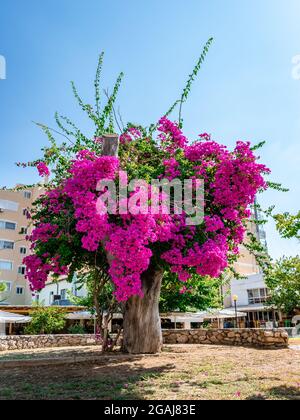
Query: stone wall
point(241, 337)
point(233, 337)
point(45, 341)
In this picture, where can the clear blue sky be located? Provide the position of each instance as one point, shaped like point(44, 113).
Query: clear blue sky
point(245, 90)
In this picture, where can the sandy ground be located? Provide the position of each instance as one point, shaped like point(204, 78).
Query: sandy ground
point(191, 372)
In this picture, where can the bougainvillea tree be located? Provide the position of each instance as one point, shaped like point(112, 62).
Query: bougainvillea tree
point(73, 232)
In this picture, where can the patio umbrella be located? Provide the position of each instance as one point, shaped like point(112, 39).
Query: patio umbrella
point(87, 315)
point(10, 318)
point(224, 313)
point(81, 315)
point(186, 317)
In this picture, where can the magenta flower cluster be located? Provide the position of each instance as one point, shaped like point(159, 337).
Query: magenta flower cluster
point(171, 136)
point(130, 135)
point(232, 179)
point(43, 169)
point(39, 268)
point(81, 187)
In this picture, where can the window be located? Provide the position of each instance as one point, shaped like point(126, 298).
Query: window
point(6, 265)
point(27, 194)
point(23, 231)
point(22, 270)
point(23, 250)
point(7, 225)
point(25, 212)
point(19, 290)
point(9, 205)
point(258, 296)
point(7, 285)
point(10, 226)
point(6, 244)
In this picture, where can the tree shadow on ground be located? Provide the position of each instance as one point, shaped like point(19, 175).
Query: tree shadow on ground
point(279, 392)
point(51, 353)
point(114, 378)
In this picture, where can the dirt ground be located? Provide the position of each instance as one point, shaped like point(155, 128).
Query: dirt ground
point(180, 373)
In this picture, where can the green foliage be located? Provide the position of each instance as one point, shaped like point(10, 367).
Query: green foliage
point(288, 225)
point(258, 146)
point(76, 329)
point(277, 186)
point(192, 77)
point(108, 110)
point(99, 290)
point(3, 295)
point(283, 280)
point(97, 84)
point(256, 248)
point(99, 300)
point(60, 153)
point(103, 115)
point(201, 294)
point(104, 121)
point(141, 160)
point(46, 320)
point(187, 88)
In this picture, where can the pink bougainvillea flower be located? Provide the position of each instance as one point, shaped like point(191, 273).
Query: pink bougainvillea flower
point(130, 135)
point(43, 169)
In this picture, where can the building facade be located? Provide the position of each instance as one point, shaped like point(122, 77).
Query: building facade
point(14, 227)
point(250, 294)
point(60, 293)
point(246, 266)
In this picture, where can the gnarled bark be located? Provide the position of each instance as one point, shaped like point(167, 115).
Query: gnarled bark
point(142, 324)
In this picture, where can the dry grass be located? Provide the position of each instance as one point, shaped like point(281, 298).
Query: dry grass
point(179, 373)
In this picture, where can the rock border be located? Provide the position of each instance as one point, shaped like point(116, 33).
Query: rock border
point(277, 338)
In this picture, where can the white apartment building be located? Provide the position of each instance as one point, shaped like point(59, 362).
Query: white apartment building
point(252, 294)
point(59, 292)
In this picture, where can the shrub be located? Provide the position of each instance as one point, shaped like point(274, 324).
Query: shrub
point(76, 329)
point(46, 320)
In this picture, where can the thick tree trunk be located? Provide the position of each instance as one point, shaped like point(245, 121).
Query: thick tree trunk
point(142, 324)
